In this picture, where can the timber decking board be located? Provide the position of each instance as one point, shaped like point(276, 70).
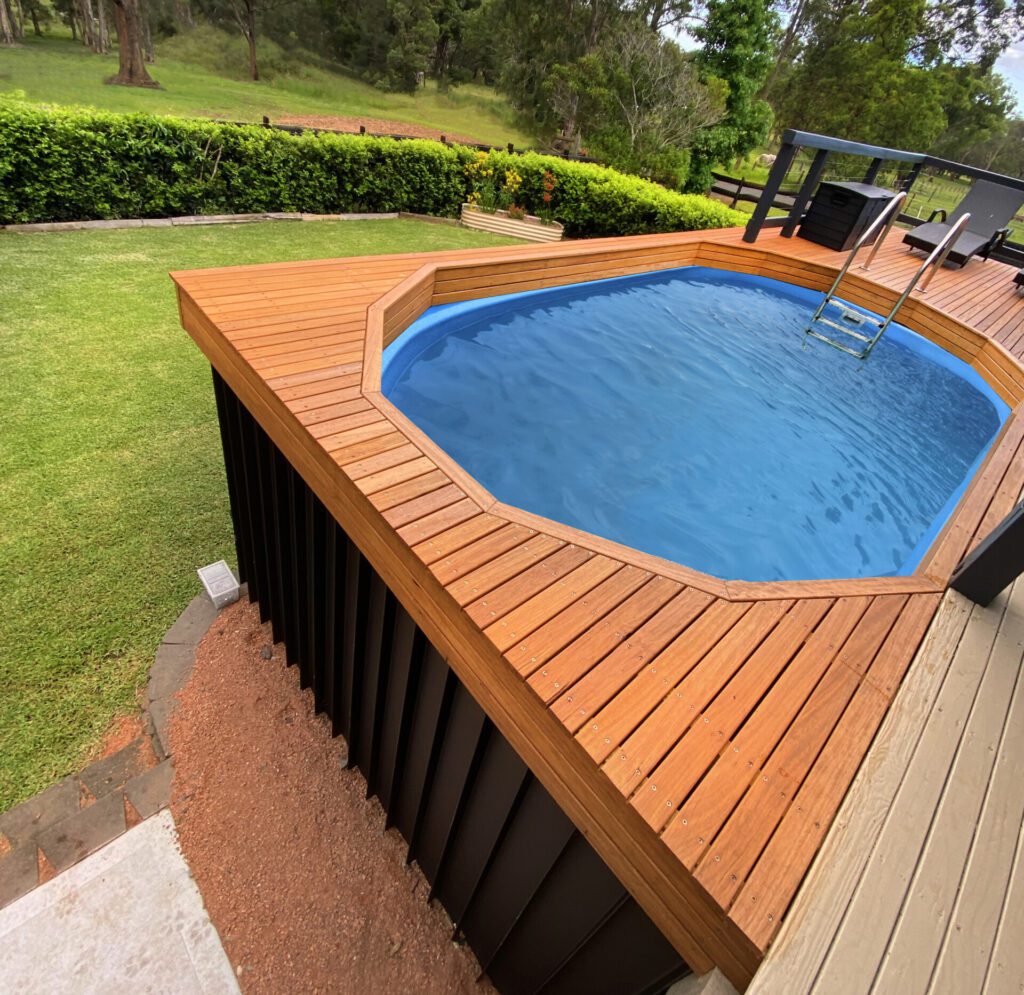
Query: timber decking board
point(701, 732)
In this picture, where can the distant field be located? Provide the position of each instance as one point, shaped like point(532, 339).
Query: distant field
point(202, 74)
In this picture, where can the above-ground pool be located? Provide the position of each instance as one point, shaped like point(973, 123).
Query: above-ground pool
point(682, 414)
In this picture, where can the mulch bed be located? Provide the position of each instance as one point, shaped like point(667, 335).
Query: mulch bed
point(308, 892)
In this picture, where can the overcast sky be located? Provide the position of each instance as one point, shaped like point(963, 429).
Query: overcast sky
point(1011, 65)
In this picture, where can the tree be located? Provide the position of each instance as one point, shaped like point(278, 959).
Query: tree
point(976, 103)
point(6, 24)
point(737, 39)
point(414, 35)
point(245, 17)
point(131, 63)
point(638, 100)
point(452, 18)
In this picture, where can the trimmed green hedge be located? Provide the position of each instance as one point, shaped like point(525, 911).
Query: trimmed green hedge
point(74, 165)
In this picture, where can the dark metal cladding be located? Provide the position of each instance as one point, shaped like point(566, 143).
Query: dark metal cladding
point(530, 895)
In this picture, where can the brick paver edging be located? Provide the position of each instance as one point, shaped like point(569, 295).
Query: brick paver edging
point(60, 826)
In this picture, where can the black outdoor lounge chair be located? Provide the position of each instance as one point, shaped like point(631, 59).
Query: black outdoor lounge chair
point(990, 206)
point(1019, 278)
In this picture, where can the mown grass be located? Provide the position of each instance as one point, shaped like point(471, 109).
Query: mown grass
point(203, 74)
point(112, 490)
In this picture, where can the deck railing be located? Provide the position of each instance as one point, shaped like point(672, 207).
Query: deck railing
point(914, 163)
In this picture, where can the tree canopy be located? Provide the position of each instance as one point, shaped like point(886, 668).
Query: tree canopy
point(611, 77)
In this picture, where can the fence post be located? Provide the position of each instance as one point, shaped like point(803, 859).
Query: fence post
point(771, 189)
point(807, 188)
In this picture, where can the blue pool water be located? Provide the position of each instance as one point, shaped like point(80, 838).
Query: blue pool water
point(679, 413)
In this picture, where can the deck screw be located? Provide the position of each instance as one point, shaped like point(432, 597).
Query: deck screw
point(569, 699)
point(654, 787)
point(771, 918)
point(557, 685)
point(684, 822)
point(718, 857)
point(543, 673)
point(668, 804)
point(637, 772)
point(732, 877)
point(607, 740)
point(700, 839)
point(594, 727)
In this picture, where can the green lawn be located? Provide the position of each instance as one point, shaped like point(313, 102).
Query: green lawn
point(112, 490)
point(202, 74)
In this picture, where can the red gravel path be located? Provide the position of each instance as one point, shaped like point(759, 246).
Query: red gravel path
point(307, 891)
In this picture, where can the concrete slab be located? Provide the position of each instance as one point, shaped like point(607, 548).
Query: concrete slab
point(128, 918)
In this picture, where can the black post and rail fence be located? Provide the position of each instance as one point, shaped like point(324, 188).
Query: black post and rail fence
point(773, 196)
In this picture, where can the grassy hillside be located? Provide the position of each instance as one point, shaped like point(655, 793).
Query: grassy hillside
point(202, 73)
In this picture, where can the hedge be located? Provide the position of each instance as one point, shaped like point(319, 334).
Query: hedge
point(76, 165)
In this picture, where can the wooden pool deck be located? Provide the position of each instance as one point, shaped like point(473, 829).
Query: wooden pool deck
point(701, 732)
point(919, 886)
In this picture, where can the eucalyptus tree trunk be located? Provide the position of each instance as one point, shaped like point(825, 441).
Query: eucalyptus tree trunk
point(102, 32)
point(89, 34)
point(183, 14)
point(147, 34)
point(131, 63)
point(6, 27)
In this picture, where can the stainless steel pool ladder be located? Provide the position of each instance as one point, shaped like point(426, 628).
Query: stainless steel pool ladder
point(854, 319)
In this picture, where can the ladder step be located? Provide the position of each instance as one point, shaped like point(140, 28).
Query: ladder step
point(842, 328)
point(854, 317)
point(857, 354)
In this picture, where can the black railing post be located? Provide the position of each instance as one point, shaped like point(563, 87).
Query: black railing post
point(995, 563)
point(771, 189)
point(915, 172)
point(872, 174)
point(807, 189)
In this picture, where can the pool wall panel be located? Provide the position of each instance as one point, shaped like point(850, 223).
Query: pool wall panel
point(538, 906)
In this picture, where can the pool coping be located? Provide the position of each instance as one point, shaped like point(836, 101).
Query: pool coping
point(395, 311)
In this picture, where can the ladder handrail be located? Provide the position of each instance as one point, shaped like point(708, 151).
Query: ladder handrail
point(939, 253)
point(935, 259)
point(889, 215)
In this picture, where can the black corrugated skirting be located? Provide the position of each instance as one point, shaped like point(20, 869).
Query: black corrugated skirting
point(538, 906)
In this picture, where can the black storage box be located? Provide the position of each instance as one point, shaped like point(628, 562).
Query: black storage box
point(840, 212)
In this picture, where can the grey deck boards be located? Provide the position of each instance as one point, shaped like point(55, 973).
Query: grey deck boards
point(919, 886)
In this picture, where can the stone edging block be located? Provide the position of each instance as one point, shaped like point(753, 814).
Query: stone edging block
point(76, 816)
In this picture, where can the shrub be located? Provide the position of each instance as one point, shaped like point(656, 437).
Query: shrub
point(75, 165)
